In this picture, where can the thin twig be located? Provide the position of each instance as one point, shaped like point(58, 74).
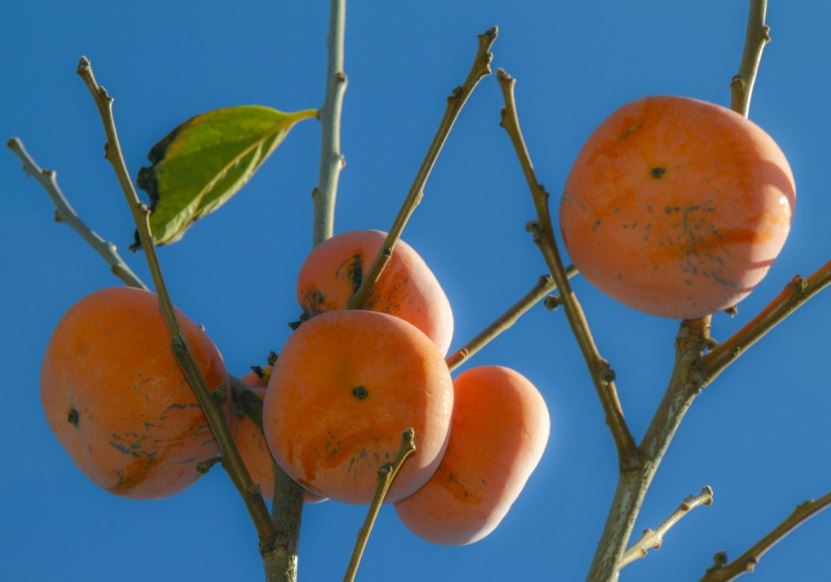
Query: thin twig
point(794, 295)
point(386, 475)
point(331, 158)
point(722, 571)
point(602, 374)
point(231, 459)
point(684, 386)
point(64, 212)
point(653, 538)
point(544, 286)
point(756, 37)
point(455, 102)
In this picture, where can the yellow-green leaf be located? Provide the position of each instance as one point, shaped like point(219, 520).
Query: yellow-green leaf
point(199, 165)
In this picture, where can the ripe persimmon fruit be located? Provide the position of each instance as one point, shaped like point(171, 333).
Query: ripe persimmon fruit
point(407, 288)
point(114, 396)
point(347, 384)
point(252, 446)
point(677, 207)
point(498, 434)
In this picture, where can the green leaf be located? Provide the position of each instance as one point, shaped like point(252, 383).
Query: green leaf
point(199, 165)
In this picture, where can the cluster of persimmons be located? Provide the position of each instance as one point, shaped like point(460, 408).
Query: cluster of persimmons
point(675, 206)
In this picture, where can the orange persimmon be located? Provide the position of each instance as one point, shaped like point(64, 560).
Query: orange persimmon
point(498, 434)
point(347, 384)
point(677, 207)
point(407, 288)
point(252, 446)
point(114, 396)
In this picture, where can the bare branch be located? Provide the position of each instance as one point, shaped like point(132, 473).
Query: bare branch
point(756, 37)
point(793, 296)
point(455, 102)
point(64, 212)
point(231, 459)
point(331, 158)
point(544, 286)
point(602, 374)
point(722, 571)
point(386, 475)
point(653, 538)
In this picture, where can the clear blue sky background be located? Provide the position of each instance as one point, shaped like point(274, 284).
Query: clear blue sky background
point(759, 436)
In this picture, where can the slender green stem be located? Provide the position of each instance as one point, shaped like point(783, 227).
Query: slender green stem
point(601, 373)
point(455, 102)
point(386, 475)
point(331, 158)
point(652, 539)
point(64, 212)
point(231, 459)
point(722, 571)
point(544, 286)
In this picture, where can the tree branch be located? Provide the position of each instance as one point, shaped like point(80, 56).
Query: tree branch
point(331, 158)
point(722, 571)
point(793, 296)
point(756, 37)
point(231, 460)
point(652, 539)
point(455, 102)
point(602, 374)
point(544, 286)
point(64, 212)
point(386, 475)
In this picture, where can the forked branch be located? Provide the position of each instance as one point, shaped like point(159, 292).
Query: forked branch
point(455, 102)
point(601, 373)
point(722, 570)
point(386, 475)
point(652, 539)
point(544, 286)
point(64, 212)
point(231, 460)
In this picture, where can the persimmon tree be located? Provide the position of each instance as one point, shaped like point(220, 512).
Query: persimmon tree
point(209, 158)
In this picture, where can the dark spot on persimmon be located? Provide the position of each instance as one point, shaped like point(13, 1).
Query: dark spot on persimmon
point(360, 392)
point(658, 172)
point(73, 417)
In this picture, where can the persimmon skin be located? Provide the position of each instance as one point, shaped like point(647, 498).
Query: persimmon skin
point(498, 434)
point(348, 383)
point(677, 207)
point(115, 398)
point(252, 446)
point(407, 288)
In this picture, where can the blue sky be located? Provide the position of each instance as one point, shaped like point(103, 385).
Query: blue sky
point(759, 436)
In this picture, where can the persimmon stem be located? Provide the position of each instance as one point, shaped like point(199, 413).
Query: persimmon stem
point(722, 570)
point(756, 38)
point(331, 159)
point(386, 476)
point(231, 459)
point(544, 286)
point(601, 373)
point(455, 102)
point(652, 539)
point(48, 179)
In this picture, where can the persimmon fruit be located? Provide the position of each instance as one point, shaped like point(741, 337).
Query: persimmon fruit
point(252, 446)
point(407, 288)
point(499, 430)
point(347, 384)
point(677, 207)
point(115, 398)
